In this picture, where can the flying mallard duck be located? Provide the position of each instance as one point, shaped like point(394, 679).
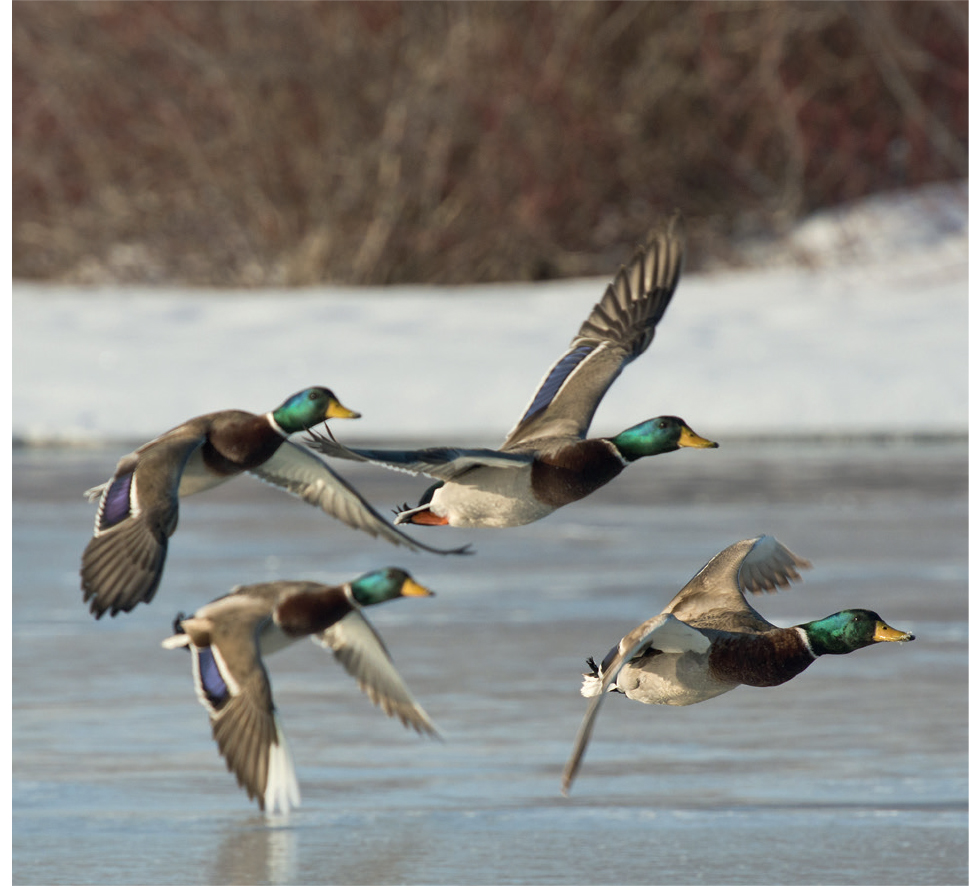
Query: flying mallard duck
point(709, 640)
point(546, 461)
point(229, 637)
point(138, 511)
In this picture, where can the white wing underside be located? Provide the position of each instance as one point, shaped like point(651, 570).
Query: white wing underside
point(358, 647)
point(305, 475)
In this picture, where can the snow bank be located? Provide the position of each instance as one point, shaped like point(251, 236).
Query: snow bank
point(867, 332)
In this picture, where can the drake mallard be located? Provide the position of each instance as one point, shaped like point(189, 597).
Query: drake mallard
point(138, 511)
point(709, 639)
point(546, 461)
point(229, 637)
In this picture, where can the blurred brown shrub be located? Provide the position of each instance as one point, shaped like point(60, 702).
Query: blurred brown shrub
point(250, 143)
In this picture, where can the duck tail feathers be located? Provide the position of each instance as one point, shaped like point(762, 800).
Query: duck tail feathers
point(95, 492)
point(591, 683)
point(176, 641)
point(179, 637)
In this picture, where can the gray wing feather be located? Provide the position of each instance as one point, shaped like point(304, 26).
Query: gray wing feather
point(245, 731)
point(358, 647)
point(441, 462)
point(754, 565)
point(300, 472)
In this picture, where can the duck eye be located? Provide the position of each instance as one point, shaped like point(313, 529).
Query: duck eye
point(314, 395)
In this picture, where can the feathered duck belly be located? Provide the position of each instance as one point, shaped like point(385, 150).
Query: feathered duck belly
point(671, 679)
point(498, 498)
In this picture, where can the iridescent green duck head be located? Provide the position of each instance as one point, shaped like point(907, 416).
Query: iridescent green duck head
point(849, 630)
point(386, 584)
point(664, 433)
point(307, 408)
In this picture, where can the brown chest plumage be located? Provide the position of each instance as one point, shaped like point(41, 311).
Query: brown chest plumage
point(767, 659)
point(240, 443)
point(574, 472)
point(302, 614)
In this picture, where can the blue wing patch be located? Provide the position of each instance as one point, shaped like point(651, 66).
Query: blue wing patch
point(212, 683)
point(117, 502)
point(555, 379)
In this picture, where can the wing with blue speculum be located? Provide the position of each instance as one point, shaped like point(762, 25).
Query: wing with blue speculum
point(137, 513)
point(619, 328)
point(232, 685)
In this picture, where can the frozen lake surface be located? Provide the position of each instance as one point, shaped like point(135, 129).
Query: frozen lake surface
point(855, 772)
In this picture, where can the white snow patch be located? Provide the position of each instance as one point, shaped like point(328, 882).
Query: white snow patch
point(869, 336)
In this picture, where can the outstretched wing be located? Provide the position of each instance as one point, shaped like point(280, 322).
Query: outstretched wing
point(232, 685)
point(754, 565)
point(137, 513)
point(300, 472)
point(250, 738)
point(620, 327)
point(664, 633)
point(439, 462)
point(358, 647)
